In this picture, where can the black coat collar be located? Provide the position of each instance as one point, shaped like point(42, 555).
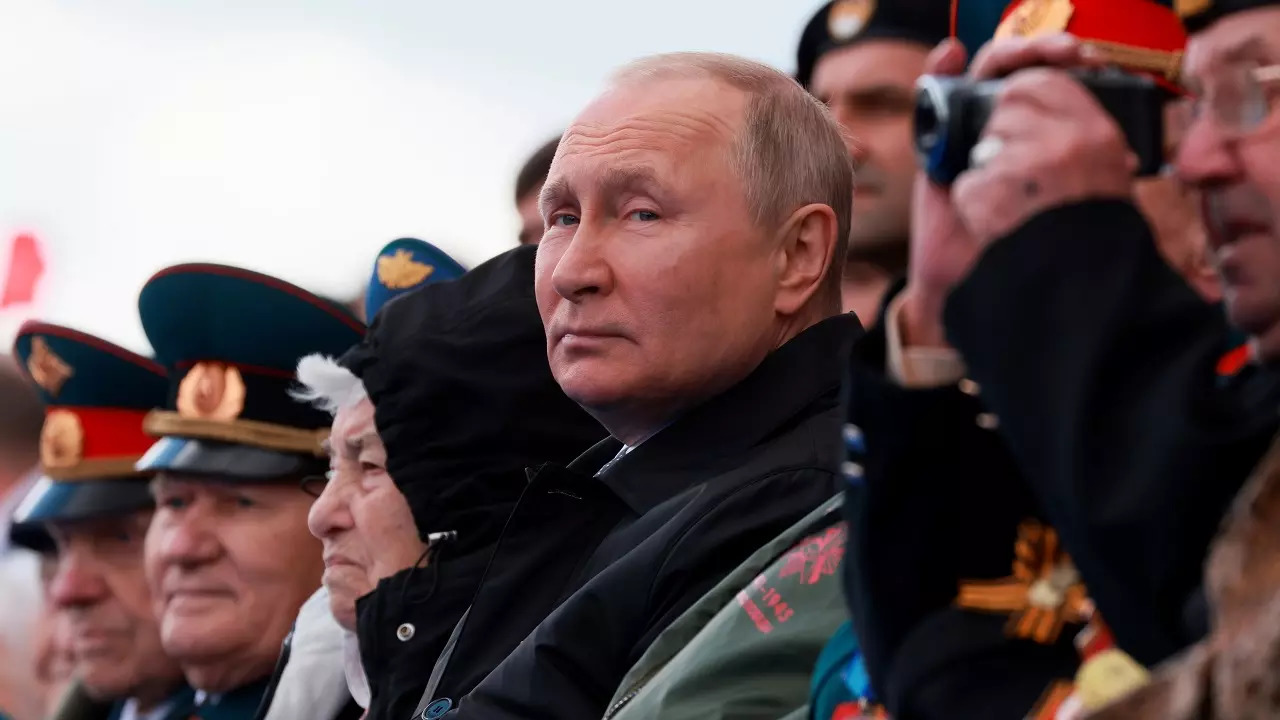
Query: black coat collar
point(805, 370)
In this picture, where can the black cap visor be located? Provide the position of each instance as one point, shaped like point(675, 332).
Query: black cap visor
point(51, 501)
point(228, 461)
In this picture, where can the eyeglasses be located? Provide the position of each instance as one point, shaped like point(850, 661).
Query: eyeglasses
point(314, 485)
point(1239, 100)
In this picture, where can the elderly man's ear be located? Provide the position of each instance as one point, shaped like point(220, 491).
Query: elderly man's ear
point(807, 249)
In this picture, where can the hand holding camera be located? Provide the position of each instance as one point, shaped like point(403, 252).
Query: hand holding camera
point(1041, 139)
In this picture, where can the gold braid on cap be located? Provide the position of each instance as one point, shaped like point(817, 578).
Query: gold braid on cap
point(1168, 64)
point(99, 469)
point(245, 432)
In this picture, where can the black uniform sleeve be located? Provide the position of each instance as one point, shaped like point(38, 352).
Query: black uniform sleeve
point(939, 501)
point(1099, 361)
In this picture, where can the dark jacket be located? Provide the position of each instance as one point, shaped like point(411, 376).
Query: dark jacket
point(464, 401)
point(1099, 361)
point(75, 704)
point(937, 502)
point(653, 533)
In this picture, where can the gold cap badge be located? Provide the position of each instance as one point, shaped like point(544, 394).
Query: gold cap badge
point(1036, 17)
point(400, 271)
point(211, 391)
point(46, 368)
point(1187, 8)
point(847, 18)
point(61, 441)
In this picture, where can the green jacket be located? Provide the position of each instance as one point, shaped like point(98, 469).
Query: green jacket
point(746, 649)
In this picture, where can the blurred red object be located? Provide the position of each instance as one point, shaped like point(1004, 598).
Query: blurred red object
point(25, 268)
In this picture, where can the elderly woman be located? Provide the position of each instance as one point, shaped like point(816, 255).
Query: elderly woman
point(436, 416)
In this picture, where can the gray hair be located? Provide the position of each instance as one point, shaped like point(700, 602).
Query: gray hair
point(791, 152)
point(327, 385)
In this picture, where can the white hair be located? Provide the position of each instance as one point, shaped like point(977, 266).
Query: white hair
point(327, 384)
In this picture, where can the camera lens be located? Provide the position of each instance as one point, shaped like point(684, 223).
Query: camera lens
point(931, 117)
point(926, 120)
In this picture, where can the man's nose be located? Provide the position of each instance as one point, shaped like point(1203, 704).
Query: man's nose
point(582, 268)
point(190, 539)
point(76, 581)
point(1204, 157)
point(330, 513)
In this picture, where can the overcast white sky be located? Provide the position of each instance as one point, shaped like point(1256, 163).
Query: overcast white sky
point(297, 137)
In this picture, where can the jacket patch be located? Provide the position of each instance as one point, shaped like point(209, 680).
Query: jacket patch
point(811, 560)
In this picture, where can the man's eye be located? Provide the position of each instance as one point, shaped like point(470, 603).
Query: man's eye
point(564, 220)
point(643, 215)
point(172, 503)
point(369, 468)
point(244, 502)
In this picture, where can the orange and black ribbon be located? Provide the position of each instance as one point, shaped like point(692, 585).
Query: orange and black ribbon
point(1043, 593)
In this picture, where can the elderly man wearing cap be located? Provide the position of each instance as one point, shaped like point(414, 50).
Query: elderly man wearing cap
point(1228, 151)
point(862, 58)
point(1021, 602)
point(228, 555)
point(1098, 359)
point(95, 507)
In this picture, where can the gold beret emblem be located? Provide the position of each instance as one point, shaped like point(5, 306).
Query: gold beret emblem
point(1036, 17)
point(46, 368)
point(61, 440)
point(211, 391)
point(847, 18)
point(400, 271)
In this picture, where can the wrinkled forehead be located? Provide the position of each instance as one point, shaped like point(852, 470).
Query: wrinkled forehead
point(654, 117)
point(100, 525)
point(1245, 38)
point(353, 427)
point(174, 482)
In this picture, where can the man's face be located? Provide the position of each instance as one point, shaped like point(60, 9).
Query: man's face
point(1237, 172)
point(99, 591)
point(652, 280)
point(1173, 210)
point(54, 660)
point(530, 217)
point(229, 565)
point(870, 88)
point(361, 518)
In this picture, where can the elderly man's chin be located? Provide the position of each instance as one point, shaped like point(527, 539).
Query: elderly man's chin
point(107, 676)
point(346, 585)
point(1255, 308)
point(1263, 326)
point(200, 627)
point(594, 382)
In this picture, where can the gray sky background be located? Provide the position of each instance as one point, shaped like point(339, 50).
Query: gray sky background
point(296, 138)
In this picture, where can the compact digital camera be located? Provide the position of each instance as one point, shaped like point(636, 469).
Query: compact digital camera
point(952, 111)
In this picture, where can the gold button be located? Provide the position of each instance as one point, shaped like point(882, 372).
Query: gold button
point(405, 632)
point(988, 421)
point(969, 387)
